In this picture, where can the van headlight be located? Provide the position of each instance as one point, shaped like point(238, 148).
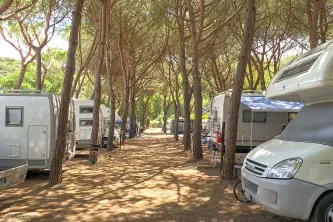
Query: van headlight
point(286, 169)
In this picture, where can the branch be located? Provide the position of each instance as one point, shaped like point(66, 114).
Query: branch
point(224, 22)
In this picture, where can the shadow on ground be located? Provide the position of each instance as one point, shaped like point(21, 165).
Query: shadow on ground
point(149, 179)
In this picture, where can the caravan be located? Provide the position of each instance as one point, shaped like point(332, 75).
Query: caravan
point(292, 174)
point(106, 112)
point(259, 119)
point(28, 129)
point(84, 121)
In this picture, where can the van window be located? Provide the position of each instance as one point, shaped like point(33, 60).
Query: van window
point(86, 122)
point(258, 117)
point(291, 116)
point(14, 116)
point(86, 109)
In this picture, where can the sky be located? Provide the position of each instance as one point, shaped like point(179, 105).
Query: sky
point(6, 50)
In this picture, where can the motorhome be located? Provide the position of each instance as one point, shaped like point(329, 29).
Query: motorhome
point(106, 112)
point(181, 125)
point(307, 78)
point(259, 119)
point(292, 174)
point(84, 121)
point(28, 129)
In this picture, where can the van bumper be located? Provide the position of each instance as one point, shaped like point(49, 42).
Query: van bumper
point(289, 198)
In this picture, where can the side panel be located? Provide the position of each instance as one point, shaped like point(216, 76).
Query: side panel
point(14, 139)
point(37, 142)
point(261, 132)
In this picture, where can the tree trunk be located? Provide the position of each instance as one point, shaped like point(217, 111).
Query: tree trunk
point(77, 92)
point(44, 76)
point(186, 90)
point(111, 93)
point(112, 119)
point(197, 91)
point(244, 56)
point(165, 114)
point(125, 111)
point(38, 52)
point(313, 15)
point(19, 80)
point(76, 81)
point(262, 78)
point(176, 110)
point(98, 87)
point(59, 151)
point(132, 109)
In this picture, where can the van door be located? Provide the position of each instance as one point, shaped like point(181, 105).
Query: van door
point(37, 143)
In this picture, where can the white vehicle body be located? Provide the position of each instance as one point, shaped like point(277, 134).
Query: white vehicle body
point(259, 119)
point(106, 112)
point(28, 129)
point(292, 175)
point(307, 78)
point(84, 121)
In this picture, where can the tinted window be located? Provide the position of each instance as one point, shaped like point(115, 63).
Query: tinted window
point(258, 117)
point(14, 116)
point(86, 109)
point(86, 122)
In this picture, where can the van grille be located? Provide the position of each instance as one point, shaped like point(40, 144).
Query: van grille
point(254, 167)
point(250, 186)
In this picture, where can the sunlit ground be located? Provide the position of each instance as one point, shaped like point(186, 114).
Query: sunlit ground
point(149, 179)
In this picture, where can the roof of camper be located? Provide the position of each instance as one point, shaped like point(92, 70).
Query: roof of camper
point(261, 103)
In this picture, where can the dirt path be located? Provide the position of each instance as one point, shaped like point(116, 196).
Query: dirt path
point(149, 179)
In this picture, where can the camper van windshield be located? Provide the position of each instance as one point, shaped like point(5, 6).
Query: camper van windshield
point(313, 124)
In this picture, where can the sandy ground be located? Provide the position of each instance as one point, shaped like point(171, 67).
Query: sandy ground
point(149, 179)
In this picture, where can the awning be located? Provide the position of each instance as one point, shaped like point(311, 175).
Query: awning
point(261, 104)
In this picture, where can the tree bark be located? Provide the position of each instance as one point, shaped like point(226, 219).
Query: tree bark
point(59, 151)
point(112, 119)
point(77, 92)
point(197, 89)
point(19, 80)
point(165, 114)
point(125, 112)
point(132, 110)
point(98, 87)
point(243, 59)
point(313, 15)
point(176, 110)
point(38, 53)
point(5, 6)
point(44, 76)
point(111, 92)
point(186, 87)
point(76, 81)
point(112, 99)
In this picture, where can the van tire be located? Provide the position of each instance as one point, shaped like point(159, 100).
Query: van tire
point(322, 207)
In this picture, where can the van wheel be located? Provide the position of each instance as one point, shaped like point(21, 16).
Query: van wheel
point(323, 211)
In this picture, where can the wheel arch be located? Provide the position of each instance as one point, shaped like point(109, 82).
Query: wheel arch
point(318, 199)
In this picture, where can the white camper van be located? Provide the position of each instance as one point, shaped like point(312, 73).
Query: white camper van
point(259, 119)
point(292, 174)
point(106, 112)
point(28, 129)
point(84, 122)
